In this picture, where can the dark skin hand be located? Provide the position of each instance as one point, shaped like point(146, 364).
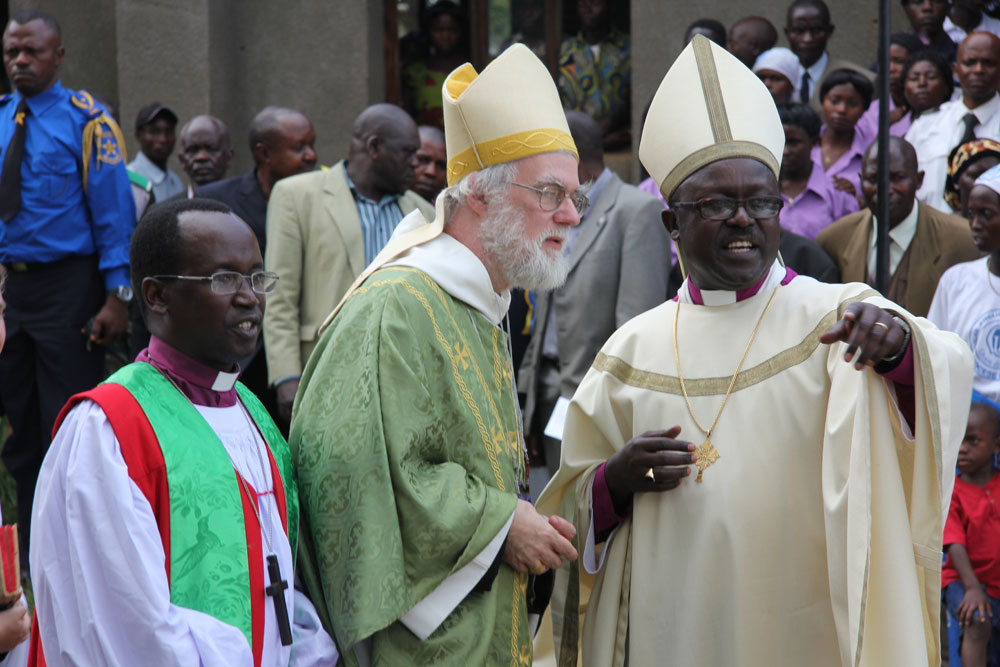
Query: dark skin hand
point(975, 599)
point(110, 322)
point(867, 344)
point(845, 185)
point(625, 472)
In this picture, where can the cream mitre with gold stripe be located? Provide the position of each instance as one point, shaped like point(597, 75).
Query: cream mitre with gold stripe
point(708, 107)
point(508, 112)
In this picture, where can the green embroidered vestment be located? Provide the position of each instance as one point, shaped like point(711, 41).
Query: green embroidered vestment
point(405, 439)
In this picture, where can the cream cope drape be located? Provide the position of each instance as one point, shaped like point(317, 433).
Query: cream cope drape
point(815, 539)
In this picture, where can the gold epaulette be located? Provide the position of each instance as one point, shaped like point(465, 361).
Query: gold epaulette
point(103, 133)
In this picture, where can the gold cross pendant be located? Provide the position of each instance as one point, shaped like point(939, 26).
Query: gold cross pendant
point(707, 455)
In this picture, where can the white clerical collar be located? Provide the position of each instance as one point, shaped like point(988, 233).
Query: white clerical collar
point(689, 293)
point(901, 236)
point(225, 381)
point(455, 268)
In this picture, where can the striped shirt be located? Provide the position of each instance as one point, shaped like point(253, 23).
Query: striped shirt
point(378, 219)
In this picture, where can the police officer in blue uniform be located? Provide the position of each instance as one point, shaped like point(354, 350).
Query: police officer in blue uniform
point(66, 217)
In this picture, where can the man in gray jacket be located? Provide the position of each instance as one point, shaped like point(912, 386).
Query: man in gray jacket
point(619, 259)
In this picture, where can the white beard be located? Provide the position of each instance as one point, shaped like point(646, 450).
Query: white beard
point(524, 262)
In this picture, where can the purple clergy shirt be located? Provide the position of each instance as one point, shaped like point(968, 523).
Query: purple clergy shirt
point(849, 164)
point(868, 123)
point(816, 207)
point(202, 384)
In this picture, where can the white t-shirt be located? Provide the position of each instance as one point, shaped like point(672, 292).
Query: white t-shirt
point(968, 305)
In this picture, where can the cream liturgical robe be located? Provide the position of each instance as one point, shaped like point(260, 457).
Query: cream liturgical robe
point(814, 540)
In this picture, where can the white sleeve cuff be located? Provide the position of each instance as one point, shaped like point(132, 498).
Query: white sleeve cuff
point(590, 562)
point(425, 616)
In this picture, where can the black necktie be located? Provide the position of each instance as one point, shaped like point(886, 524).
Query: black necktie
point(969, 119)
point(10, 176)
point(804, 90)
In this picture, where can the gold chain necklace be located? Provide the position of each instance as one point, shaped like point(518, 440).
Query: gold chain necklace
point(989, 276)
point(706, 452)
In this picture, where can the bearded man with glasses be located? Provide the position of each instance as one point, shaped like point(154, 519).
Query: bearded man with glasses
point(174, 463)
point(419, 544)
point(759, 469)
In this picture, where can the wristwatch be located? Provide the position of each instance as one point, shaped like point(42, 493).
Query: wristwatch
point(890, 363)
point(123, 293)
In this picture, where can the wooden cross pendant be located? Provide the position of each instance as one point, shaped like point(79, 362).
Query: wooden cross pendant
point(277, 592)
point(707, 455)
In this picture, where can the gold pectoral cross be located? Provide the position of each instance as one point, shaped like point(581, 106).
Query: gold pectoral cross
point(707, 455)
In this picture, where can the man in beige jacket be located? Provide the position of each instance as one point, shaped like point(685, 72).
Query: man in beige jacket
point(324, 227)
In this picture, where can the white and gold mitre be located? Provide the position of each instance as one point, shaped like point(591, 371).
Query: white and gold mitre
point(708, 107)
point(510, 111)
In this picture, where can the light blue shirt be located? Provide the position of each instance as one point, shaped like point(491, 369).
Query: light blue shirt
point(166, 184)
point(378, 219)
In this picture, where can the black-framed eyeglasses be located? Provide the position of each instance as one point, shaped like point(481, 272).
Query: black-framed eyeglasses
point(230, 282)
point(723, 208)
point(550, 197)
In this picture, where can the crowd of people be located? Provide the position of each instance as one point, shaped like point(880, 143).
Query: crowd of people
point(738, 451)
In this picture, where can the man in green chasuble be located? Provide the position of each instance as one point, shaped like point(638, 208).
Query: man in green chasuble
point(418, 545)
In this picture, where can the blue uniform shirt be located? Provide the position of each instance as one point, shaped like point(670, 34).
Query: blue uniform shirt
point(58, 218)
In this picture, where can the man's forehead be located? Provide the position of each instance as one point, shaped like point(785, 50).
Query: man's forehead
point(32, 31)
point(979, 45)
point(292, 125)
point(201, 132)
point(807, 14)
point(432, 146)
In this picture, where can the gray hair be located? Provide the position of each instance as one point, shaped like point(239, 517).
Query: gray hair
point(489, 182)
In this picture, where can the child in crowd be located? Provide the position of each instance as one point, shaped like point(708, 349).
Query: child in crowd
point(971, 574)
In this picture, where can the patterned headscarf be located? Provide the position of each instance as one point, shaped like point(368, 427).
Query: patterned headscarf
point(961, 159)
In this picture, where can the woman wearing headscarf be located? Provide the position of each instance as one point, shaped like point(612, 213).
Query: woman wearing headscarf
point(778, 68)
point(965, 164)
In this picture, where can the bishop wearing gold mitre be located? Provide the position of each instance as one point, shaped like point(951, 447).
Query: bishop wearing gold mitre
point(419, 543)
point(757, 469)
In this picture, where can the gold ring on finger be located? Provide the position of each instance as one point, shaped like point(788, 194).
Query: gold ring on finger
point(883, 325)
point(538, 569)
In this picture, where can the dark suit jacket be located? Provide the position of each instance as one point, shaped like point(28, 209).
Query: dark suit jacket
point(618, 268)
point(941, 241)
point(244, 196)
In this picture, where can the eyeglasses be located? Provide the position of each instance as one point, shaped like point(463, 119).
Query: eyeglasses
point(230, 282)
point(723, 208)
point(551, 197)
